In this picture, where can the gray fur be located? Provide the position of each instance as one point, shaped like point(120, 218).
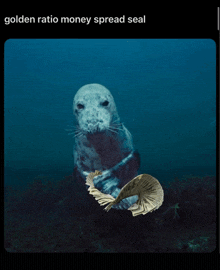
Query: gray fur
point(102, 142)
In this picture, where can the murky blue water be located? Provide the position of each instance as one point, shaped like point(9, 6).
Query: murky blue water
point(165, 92)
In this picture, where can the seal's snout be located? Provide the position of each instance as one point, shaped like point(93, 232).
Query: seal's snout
point(95, 119)
point(94, 125)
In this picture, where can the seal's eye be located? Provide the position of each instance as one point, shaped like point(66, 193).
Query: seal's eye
point(105, 103)
point(80, 106)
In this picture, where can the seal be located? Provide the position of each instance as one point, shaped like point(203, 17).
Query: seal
point(103, 143)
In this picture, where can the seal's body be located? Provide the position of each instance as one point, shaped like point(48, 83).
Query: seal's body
point(103, 143)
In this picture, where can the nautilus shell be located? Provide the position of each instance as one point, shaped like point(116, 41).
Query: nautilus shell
point(146, 187)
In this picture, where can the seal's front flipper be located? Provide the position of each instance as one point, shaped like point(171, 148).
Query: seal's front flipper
point(125, 203)
point(101, 180)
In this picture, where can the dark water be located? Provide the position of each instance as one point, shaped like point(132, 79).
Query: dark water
point(164, 89)
point(165, 92)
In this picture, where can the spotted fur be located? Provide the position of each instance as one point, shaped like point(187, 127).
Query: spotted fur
point(102, 142)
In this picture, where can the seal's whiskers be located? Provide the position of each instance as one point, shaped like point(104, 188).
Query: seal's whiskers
point(112, 130)
point(116, 128)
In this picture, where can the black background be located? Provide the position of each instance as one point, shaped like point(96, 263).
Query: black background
point(161, 22)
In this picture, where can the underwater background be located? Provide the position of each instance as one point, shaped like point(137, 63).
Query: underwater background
point(165, 93)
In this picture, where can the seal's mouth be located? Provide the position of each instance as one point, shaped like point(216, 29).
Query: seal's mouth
point(96, 127)
point(101, 127)
point(97, 131)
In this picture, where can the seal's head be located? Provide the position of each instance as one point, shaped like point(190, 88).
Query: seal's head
point(94, 108)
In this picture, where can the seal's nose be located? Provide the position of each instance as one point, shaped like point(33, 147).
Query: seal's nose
point(94, 125)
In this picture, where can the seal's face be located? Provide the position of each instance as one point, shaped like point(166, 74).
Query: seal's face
point(94, 108)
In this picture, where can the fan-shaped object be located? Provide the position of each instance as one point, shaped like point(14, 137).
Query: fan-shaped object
point(149, 191)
